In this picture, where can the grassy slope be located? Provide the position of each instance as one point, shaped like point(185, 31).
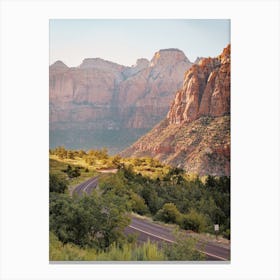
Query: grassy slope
point(146, 166)
point(128, 252)
point(56, 166)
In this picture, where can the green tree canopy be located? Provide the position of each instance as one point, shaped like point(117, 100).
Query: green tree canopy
point(57, 184)
point(88, 221)
point(169, 214)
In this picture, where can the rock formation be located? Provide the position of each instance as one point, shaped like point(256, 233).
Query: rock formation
point(195, 135)
point(206, 90)
point(103, 95)
point(198, 59)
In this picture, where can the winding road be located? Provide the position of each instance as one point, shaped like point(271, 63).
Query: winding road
point(86, 187)
point(148, 230)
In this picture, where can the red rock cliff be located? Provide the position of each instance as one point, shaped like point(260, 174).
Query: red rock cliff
point(206, 90)
point(195, 135)
point(105, 94)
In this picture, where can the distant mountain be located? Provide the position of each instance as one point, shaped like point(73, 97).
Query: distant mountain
point(195, 135)
point(101, 103)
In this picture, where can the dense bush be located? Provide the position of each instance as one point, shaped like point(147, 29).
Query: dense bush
point(147, 186)
point(169, 214)
point(177, 198)
point(91, 227)
point(92, 221)
point(72, 172)
point(138, 204)
point(151, 197)
point(194, 221)
point(183, 249)
point(226, 234)
point(57, 184)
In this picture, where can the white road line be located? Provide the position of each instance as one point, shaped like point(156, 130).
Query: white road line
point(84, 187)
point(88, 185)
point(165, 239)
point(212, 255)
point(171, 241)
point(151, 234)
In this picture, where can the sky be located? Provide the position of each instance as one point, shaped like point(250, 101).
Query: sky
point(124, 41)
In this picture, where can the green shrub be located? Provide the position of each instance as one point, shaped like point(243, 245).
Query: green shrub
point(194, 221)
point(138, 204)
point(226, 234)
point(169, 214)
point(152, 200)
point(57, 184)
point(72, 173)
point(88, 221)
point(127, 252)
point(183, 250)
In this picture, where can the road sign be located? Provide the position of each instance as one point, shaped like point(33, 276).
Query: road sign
point(216, 227)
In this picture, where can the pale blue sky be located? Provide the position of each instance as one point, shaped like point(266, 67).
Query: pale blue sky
point(124, 41)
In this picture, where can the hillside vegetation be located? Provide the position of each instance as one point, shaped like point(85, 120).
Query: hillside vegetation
point(91, 227)
point(92, 161)
point(202, 146)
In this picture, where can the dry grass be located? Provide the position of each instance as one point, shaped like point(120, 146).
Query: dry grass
point(57, 166)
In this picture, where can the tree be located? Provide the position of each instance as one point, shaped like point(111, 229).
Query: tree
point(210, 182)
point(72, 173)
point(75, 173)
point(169, 214)
point(175, 176)
point(184, 249)
point(103, 153)
point(116, 161)
point(57, 184)
point(90, 160)
point(94, 221)
point(61, 152)
point(194, 221)
point(81, 153)
point(138, 204)
point(151, 198)
point(70, 154)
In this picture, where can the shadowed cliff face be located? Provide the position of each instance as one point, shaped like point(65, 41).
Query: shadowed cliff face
point(100, 94)
point(195, 135)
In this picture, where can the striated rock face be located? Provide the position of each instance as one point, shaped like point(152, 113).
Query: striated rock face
point(101, 64)
point(195, 135)
point(144, 98)
point(206, 90)
point(141, 64)
point(100, 94)
point(198, 59)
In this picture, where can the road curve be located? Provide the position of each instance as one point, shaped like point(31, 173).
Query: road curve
point(147, 230)
point(86, 187)
point(159, 233)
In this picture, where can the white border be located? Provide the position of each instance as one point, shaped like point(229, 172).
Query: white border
point(255, 138)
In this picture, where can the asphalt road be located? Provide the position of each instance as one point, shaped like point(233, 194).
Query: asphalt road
point(147, 230)
point(159, 233)
point(86, 187)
